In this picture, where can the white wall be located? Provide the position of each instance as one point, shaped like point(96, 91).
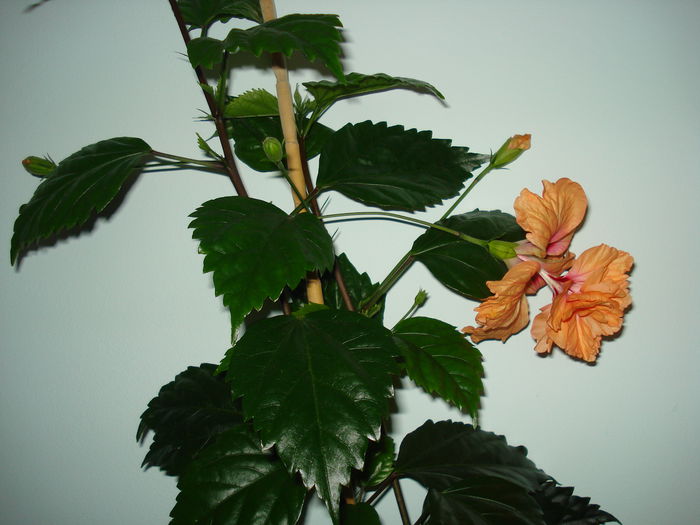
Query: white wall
point(93, 326)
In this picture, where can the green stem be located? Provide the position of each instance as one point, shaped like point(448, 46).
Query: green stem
point(185, 160)
point(389, 281)
point(405, 218)
point(466, 192)
point(303, 204)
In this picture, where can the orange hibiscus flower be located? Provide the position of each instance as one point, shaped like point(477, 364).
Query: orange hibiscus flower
point(589, 300)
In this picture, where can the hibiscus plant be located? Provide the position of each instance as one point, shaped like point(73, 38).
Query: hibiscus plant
point(299, 403)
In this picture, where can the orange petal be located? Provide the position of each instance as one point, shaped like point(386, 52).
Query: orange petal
point(550, 220)
point(506, 312)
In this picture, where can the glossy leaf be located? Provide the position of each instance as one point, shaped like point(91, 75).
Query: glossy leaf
point(326, 92)
point(203, 13)
point(380, 461)
point(317, 389)
point(440, 455)
point(82, 185)
point(441, 361)
point(254, 250)
point(360, 514)
point(359, 285)
point(253, 103)
point(460, 265)
point(562, 507)
point(316, 36)
point(205, 51)
point(234, 482)
point(482, 501)
point(186, 415)
point(248, 135)
point(391, 167)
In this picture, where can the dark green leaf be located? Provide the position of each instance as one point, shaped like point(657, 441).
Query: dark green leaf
point(359, 285)
point(205, 51)
point(203, 13)
point(440, 455)
point(562, 507)
point(360, 514)
point(326, 93)
point(316, 36)
point(317, 389)
point(380, 461)
point(462, 266)
point(249, 133)
point(482, 501)
point(233, 481)
point(80, 186)
point(391, 167)
point(186, 416)
point(440, 360)
point(255, 250)
point(253, 103)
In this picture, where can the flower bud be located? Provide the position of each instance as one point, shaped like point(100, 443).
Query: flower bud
point(502, 249)
point(273, 149)
point(420, 298)
point(39, 166)
point(511, 150)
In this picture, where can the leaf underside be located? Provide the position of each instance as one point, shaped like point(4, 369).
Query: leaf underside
point(562, 507)
point(82, 185)
point(391, 167)
point(460, 265)
point(254, 250)
point(203, 13)
point(316, 387)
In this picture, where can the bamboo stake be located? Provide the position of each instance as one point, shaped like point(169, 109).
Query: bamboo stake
point(291, 144)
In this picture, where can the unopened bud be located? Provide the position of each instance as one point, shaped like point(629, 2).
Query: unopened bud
point(273, 149)
point(39, 166)
point(502, 249)
point(421, 297)
point(511, 150)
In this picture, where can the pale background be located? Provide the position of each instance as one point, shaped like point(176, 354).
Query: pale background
point(93, 326)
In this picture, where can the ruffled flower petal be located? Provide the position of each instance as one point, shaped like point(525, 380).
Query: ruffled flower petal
point(506, 312)
point(550, 220)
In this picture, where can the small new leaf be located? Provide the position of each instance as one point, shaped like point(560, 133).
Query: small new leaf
point(462, 266)
point(440, 360)
point(317, 389)
point(316, 36)
point(253, 103)
point(82, 185)
point(326, 92)
point(235, 481)
point(246, 240)
point(391, 167)
point(187, 415)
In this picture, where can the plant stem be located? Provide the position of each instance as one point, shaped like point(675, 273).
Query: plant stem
point(381, 488)
point(206, 163)
point(405, 519)
point(230, 162)
point(456, 203)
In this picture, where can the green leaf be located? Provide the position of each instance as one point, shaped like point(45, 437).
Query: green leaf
point(248, 135)
point(380, 461)
point(316, 36)
point(462, 266)
point(326, 93)
point(254, 250)
point(203, 13)
point(391, 167)
point(317, 389)
point(205, 51)
point(440, 455)
point(80, 186)
point(441, 361)
point(235, 482)
point(253, 103)
point(186, 415)
point(206, 148)
point(562, 507)
point(482, 501)
point(358, 285)
point(360, 514)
